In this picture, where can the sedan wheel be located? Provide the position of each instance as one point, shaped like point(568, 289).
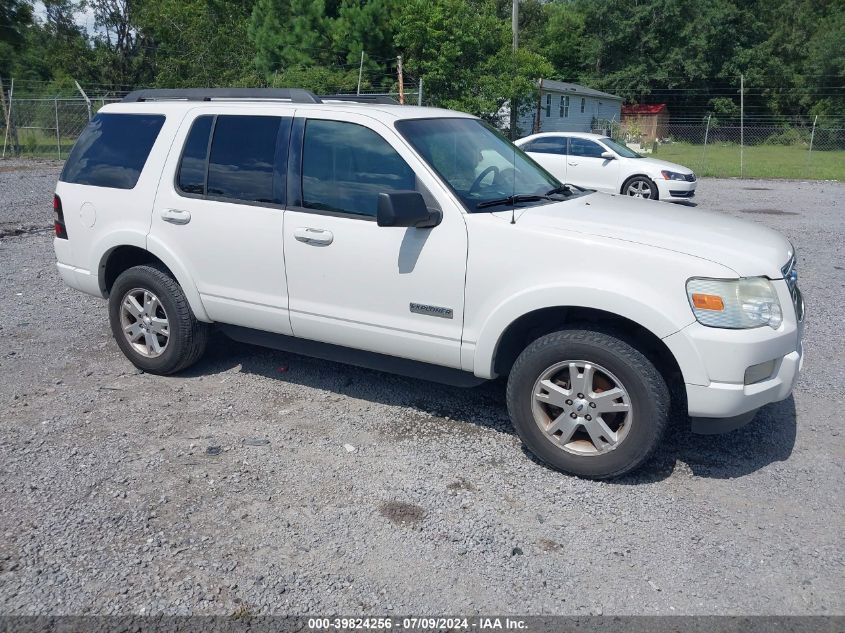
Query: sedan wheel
point(640, 188)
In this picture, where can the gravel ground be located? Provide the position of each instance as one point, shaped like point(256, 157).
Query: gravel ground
point(232, 487)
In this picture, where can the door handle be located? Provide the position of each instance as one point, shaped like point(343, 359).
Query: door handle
point(315, 237)
point(572, 164)
point(176, 216)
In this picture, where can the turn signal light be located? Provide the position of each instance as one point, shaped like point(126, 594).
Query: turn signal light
point(707, 302)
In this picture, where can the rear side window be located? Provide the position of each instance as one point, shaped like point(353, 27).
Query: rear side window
point(550, 145)
point(345, 166)
point(112, 150)
point(243, 162)
point(192, 167)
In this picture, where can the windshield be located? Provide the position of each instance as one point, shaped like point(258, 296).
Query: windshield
point(485, 170)
point(620, 148)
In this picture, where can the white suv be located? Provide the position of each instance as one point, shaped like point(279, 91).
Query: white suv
point(420, 241)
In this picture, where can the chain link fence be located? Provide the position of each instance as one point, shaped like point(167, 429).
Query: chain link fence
point(800, 148)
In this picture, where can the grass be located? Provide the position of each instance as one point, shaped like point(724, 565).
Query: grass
point(759, 161)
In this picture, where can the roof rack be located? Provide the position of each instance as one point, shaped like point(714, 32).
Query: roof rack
point(381, 99)
point(294, 95)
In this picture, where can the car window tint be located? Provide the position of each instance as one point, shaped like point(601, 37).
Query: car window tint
point(242, 156)
point(192, 167)
point(585, 147)
point(112, 150)
point(345, 166)
point(552, 145)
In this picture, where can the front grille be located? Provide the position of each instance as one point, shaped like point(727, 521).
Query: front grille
point(681, 194)
point(790, 275)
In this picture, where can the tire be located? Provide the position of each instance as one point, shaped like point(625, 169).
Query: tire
point(185, 339)
point(637, 430)
point(641, 184)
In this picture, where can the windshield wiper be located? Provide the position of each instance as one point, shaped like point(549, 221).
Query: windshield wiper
point(565, 189)
point(510, 200)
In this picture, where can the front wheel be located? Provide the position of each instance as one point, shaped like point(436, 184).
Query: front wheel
point(587, 403)
point(152, 321)
point(640, 187)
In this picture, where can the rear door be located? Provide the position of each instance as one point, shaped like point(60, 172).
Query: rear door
point(550, 153)
point(586, 168)
point(220, 209)
point(392, 290)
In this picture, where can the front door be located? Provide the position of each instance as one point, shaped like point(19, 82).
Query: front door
point(392, 290)
point(586, 168)
point(219, 210)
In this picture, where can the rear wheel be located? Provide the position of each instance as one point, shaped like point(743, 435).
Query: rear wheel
point(640, 187)
point(588, 403)
point(152, 321)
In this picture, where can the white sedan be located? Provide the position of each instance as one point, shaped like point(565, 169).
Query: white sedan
point(597, 162)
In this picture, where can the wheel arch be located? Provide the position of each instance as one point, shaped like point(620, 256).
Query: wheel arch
point(639, 175)
point(532, 325)
point(124, 256)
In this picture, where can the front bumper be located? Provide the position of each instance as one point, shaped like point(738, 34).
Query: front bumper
point(674, 190)
point(714, 361)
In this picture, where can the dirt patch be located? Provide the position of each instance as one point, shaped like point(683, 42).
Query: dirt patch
point(401, 513)
point(461, 484)
point(548, 545)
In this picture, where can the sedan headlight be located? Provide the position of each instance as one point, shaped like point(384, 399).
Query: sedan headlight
point(735, 303)
point(673, 175)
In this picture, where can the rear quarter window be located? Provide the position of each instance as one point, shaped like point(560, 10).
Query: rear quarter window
point(112, 150)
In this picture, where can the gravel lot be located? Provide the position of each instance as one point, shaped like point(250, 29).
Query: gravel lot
point(229, 488)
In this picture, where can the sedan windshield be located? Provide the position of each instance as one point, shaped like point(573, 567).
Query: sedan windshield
point(620, 148)
point(484, 169)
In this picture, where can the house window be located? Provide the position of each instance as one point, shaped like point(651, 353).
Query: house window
point(548, 105)
point(583, 104)
point(564, 106)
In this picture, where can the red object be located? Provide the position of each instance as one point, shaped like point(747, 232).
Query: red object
point(59, 218)
point(282, 369)
point(644, 108)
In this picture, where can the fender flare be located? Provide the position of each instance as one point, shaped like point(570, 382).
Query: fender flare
point(631, 305)
point(180, 272)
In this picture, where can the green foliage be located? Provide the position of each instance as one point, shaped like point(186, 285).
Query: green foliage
point(688, 53)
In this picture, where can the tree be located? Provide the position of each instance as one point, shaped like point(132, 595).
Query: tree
point(289, 33)
point(15, 18)
point(200, 42)
point(121, 48)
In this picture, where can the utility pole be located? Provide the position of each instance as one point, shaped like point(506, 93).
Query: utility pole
point(360, 72)
point(401, 80)
point(420, 93)
point(514, 99)
point(741, 123)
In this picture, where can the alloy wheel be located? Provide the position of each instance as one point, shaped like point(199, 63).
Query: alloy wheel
point(581, 407)
point(144, 322)
point(639, 189)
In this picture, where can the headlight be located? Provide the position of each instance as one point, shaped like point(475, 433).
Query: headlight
point(673, 175)
point(734, 303)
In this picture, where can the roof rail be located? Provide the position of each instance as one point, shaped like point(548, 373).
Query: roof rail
point(295, 95)
point(382, 99)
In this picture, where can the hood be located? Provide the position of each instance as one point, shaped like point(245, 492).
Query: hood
point(748, 248)
point(655, 165)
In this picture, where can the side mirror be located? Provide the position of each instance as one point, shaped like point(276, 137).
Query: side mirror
point(405, 208)
point(608, 156)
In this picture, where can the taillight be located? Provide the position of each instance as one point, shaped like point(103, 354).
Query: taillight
point(59, 218)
